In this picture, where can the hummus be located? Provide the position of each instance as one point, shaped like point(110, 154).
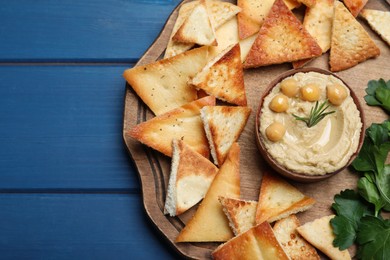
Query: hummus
point(321, 149)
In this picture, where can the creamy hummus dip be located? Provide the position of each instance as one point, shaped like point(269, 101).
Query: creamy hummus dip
point(321, 149)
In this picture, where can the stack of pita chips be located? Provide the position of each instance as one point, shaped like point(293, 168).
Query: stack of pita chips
point(379, 21)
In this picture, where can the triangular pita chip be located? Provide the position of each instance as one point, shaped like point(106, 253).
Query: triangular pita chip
point(279, 199)
point(209, 224)
point(190, 178)
point(293, 244)
point(282, 38)
point(379, 21)
point(223, 77)
point(241, 213)
point(350, 43)
point(223, 125)
point(355, 6)
point(320, 234)
point(180, 123)
point(253, 13)
point(258, 242)
point(308, 3)
point(162, 85)
point(318, 22)
point(197, 27)
point(219, 12)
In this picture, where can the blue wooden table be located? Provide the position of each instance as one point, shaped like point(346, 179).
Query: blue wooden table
point(68, 188)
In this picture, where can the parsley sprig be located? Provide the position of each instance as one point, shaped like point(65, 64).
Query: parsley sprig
point(317, 113)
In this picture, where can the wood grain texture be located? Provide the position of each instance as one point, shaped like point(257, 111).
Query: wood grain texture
point(60, 128)
point(154, 168)
point(80, 30)
point(77, 226)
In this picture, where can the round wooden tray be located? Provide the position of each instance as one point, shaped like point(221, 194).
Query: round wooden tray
point(154, 168)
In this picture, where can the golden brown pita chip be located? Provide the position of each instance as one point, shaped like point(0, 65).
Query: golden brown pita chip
point(209, 224)
point(350, 43)
point(379, 21)
point(282, 38)
point(295, 246)
point(223, 125)
point(197, 27)
point(241, 213)
point(355, 6)
point(223, 77)
point(253, 13)
point(308, 3)
point(279, 199)
point(162, 85)
point(190, 178)
point(258, 242)
point(182, 123)
point(320, 234)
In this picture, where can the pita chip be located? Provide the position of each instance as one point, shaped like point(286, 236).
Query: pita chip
point(197, 27)
point(253, 13)
point(223, 125)
point(308, 3)
point(355, 6)
point(209, 224)
point(350, 43)
point(379, 21)
point(320, 234)
point(162, 85)
point(240, 213)
point(182, 123)
point(223, 77)
point(282, 38)
point(219, 12)
point(279, 199)
point(292, 242)
point(190, 178)
point(318, 22)
point(258, 242)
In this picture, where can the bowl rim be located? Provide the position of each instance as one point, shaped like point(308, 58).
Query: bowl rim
point(271, 161)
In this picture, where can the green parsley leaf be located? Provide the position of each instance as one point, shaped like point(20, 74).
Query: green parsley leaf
point(369, 191)
point(378, 94)
point(374, 238)
point(350, 209)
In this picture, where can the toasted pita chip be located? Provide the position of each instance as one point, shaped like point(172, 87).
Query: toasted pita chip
point(320, 234)
point(190, 178)
point(279, 199)
point(379, 21)
point(258, 242)
point(223, 125)
point(162, 85)
point(180, 123)
point(240, 213)
point(219, 12)
point(282, 38)
point(253, 13)
point(293, 244)
point(308, 3)
point(209, 224)
point(350, 43)
point(197, 27)
point(355, 6)
point(223, 77)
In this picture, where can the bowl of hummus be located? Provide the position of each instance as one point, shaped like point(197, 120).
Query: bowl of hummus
point(309, 124)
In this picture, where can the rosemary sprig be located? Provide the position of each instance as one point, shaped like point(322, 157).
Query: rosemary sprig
point(317, 113)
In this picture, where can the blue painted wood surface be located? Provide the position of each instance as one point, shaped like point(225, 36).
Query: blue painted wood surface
point(99, 30)
point(68, 188)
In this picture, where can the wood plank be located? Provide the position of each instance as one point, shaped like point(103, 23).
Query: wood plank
point(78, 226)
point(80, 30)
point(154, 168)
point(60, 128)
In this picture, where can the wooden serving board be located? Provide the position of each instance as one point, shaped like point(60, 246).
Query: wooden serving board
point(154, 168)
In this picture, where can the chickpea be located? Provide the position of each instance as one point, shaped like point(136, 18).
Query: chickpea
point(289, 87)
point(279, 103)
point(275, 131)
point(310, 92)
point(336, 94)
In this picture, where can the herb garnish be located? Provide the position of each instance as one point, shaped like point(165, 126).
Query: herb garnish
point(378, 94)
point(317, 113)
